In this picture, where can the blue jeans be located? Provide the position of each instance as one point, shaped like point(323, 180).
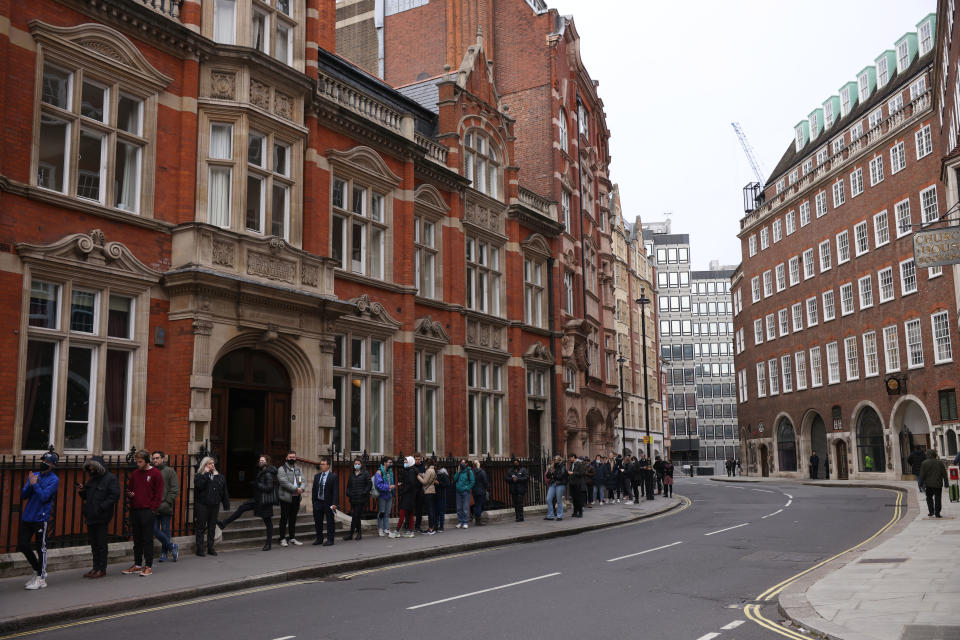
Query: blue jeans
point(463, 507)
point(598, 492)
point(555, 491)
point(161, 531)
point(383, 511)
point(478, 505)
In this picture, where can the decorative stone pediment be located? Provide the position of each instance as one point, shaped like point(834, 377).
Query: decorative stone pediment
point(538, 354)
point(85, 251)
point(430, 330)
point(429, 196)
point(99, 46)
point(370, 311)
point(367, 162)
point(537, 245)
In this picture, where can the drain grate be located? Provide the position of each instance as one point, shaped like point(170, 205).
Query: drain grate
point(882, 560)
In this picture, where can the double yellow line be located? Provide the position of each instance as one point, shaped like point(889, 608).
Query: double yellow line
point(752, 611)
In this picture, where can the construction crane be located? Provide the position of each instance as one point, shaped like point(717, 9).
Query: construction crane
point(751, 156)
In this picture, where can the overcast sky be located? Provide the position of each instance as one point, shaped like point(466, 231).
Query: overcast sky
point(673, 76)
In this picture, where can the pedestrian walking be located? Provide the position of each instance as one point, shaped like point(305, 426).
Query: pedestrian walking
point(517, 480)
point(479, 491)
point(933, 473)
point(292, 485)
point(556, 477)
point(463, 481)
point(667, 478)
point(359, 485)
point(730, 467)
point(36, 507)
point(209, 494)
point(265, 497)
point(383, 481)
point(145, 491)
point(161, 524)
point(100, 493)
point(814, 465)
point(915, 460)
point(577, 482)
point(408, 486)
point(324, 502)
point(443, 490)
point(428, 481)
point(601, 470)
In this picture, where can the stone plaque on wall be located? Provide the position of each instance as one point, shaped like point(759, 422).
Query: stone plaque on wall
point(267, 266)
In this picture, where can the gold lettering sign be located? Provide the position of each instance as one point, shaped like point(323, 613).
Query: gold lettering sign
point(936, 247)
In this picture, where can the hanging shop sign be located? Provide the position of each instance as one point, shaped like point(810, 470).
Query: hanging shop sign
point(936, 247)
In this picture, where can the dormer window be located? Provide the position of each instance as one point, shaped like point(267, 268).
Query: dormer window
point(926, 36)
point(863, 86)
point(828, 113)
point(883, 72)
point(844, 101)
point(481, 163)
point(903, 56)
point(800, 137)
point(814, 126)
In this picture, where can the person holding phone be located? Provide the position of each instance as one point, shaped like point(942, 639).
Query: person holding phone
point(100, 494)
point(36, 509)
point(210, 493)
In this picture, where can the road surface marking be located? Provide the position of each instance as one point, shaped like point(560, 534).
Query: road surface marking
point(476, 593)
point(285, 638)
point(772, 514)
point(752, 612)
point(727, 529)
point(732, 625)
point(708, 636)
point(363, 572)
point(762, 490)
point(640, 553)
point(788, 495)
point(789, 502)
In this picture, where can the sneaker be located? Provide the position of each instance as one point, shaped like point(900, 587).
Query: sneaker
point(459, 525)
point(393, 534)
point(381, 532)
point(147, 572)
point(37, 583)
point(618, 500)
point(466, 526)
point(162, 557)
point(283, 542)
point(407, 534)
point(295, 542)
point(30, 582)
point(430, 532)
point(132, 570)
point(175, 553)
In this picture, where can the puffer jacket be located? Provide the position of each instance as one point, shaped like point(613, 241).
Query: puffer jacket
point(933, 475)
point(383, 479)
point(409, 489)
point(427, 478)
point(171, 489)
point(100, 493)
point(264, 487)
point(358, 487)
point(290, 479)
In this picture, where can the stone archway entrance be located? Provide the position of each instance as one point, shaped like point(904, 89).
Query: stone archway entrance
point(910, 419)
point(250, 414)
point(764, 461)
point(786, 446)
point(843, 472)
point(870, 452)
point(818, 444)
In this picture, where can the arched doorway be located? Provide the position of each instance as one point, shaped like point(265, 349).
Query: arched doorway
point(764, 461)
point(786, 446)
point(843, 471)
point(250, 414)
point(910, 418)
point(951, 443)
point(818, 445)
point(870, 453)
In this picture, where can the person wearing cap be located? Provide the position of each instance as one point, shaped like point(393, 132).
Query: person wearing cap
point(145, 490)
point(100, 494)
point(38, 493)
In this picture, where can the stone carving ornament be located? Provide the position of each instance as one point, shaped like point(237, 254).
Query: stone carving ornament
point(223, 84)
point(310, 275)
point(223, 252)
point(259, 94)
point(103, 49)
point(283, 105)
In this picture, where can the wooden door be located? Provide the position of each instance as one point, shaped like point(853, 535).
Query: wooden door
point(277, 433)
point(534, 442)
point(219, 413)
point(841, 462)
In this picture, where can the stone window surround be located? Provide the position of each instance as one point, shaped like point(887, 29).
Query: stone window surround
point(536, 250)
point(88, 261)
point(430, 337)
point(243, 18)
point(429, 205)
point(102, 52)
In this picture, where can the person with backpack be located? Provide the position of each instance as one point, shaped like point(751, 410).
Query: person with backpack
point(292, 485)
point(36, 508)
point(100, 494)
point(384, 485)
point(358, 492)
point(265, 496)
point(463, 481)
point(518, 479)
point(209, 494)
point(428, 480)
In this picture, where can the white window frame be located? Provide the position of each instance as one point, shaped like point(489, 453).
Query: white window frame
point(843, 247)
point(942, 346)
point(906, 279)
point(800, 362)
point(833, 363)
point(812, 312)
point(865, 291)
point(914, 338)
point(881, 229)
point(816, 368)
point(903, 217)
point(891, 349)
point(856, 182)
point(826, 260)
point(883, 288)
point(846, 299)
point(794, 264)
point(808, 264)
point(871, 358)
point(839, 193)
point(923, 141)
point(876, 170)
point(829, 305)
point(898, 158)
point(929, 207)
point(861, 238)
point(851, 358)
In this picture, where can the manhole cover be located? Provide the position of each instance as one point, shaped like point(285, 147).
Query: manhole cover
point(882, 560)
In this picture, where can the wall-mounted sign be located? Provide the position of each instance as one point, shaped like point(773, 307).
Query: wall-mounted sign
point(936, 247)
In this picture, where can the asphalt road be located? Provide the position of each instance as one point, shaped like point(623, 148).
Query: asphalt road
point(685, 575)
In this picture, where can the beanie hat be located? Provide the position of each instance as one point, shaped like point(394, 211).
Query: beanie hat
point(409, 460)
point(50, 459)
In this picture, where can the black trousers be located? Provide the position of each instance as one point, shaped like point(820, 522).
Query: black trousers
point(288, 516)
point(667, 490)
point(579, 497)
point(421, 502)
point(141, 521)
point(636, 491)
point(356, 511)
point(934, 500)
point(518, 505)
point(38, 558)
point(97, 535)
point(251, 505)
point(648, 486)
point(205, 524)
point(659, 483)
point(321, 512)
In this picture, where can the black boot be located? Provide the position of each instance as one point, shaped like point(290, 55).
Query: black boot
point(359, 533)
point(210, 551)
point(267, 546)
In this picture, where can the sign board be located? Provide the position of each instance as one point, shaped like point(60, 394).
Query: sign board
point(936, 247)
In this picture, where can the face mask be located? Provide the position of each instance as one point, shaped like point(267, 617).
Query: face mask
point(291, 460)
point(463, 465)
point(356, 466)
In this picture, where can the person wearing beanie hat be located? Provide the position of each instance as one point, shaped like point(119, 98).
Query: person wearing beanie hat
point(409, 485)
point(38, 495)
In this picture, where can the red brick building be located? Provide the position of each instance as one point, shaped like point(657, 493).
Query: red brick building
point(844, 346)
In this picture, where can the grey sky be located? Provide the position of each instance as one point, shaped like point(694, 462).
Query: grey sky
point(673, 76)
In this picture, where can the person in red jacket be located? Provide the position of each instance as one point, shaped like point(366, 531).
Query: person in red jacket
point(145, 491)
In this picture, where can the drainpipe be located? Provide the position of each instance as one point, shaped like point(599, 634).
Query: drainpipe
point(551, 325)
point(583, 253)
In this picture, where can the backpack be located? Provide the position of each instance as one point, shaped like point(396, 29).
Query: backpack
point(374, 492)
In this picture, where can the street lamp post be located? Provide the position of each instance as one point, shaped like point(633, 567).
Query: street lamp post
point(623, 422)
point(643, 301)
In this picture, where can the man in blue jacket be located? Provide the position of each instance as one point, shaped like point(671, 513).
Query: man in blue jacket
point(38, 495)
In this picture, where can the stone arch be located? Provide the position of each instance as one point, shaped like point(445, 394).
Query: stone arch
point(785, 439)
point(872, 440)
point(429, 196)
point(596, 431)
point(812, 437)
point(911, 426)
point(367, 160)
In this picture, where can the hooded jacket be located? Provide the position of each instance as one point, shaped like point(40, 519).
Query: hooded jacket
point(290, 478)
point(464, 479)
point(100, 493)
point(383, 478)
point(358, 487)
point(171, 489)
point(40, 497)
point(933, 475)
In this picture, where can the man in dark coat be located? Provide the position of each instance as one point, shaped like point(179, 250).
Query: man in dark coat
point(518, 478)
point(100, 494)
point(265, 496)
point(577, 484)
point(915, 460)
point(814, 465)
point(648, 478)
point(658, 469)
point(324, 502)
point(933, 473)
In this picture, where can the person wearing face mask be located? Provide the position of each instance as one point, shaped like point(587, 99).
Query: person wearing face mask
point(292, 486)
point(358, 492)
point(100, 494)
point(463, 481)
point(36, 509)
point(383, 481)
point(210, 493)
point(265, 496)
point(443, 487)
point(518, 479)
point(409, 486)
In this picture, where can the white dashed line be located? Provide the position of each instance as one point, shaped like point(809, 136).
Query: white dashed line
point(732, 625)
point(709, 636)
point(476, 593)
point(640, 553)
point(285, 638)
point(727, 529)
point(772, 514)
point(762, 490)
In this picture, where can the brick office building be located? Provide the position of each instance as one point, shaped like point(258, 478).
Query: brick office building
point(847, 347)
point(219, 233)
point(561, 152)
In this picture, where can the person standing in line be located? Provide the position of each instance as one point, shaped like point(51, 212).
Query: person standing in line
point(421, 505)
point(161, 524)
point(613, 478)
point(39, 491)
point(383, 481)
point(601, 471)
point(577, 482)
point(556, 478)
point(814, 465)
point(358, 492)
point(463, 481)
point(100, 494)
point(518, 478)
point(265, 496)
point(648, 475)
point(658, 470)
point(915, 460)
point(209, 494)
point(292, 485)
point(443, 489)
point(324, 502)
point(145, 491)
point(667, 478)
point(480, 487)
point(408, 486)
point(624, 487)
point(428, 482)
point(589, 472)
point(934, 476)
point(633, 472)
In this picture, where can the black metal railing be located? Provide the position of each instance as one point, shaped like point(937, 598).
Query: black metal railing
point(66, 527)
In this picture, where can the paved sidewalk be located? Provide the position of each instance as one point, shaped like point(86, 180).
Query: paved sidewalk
point(905, 585)
point(69, 596)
